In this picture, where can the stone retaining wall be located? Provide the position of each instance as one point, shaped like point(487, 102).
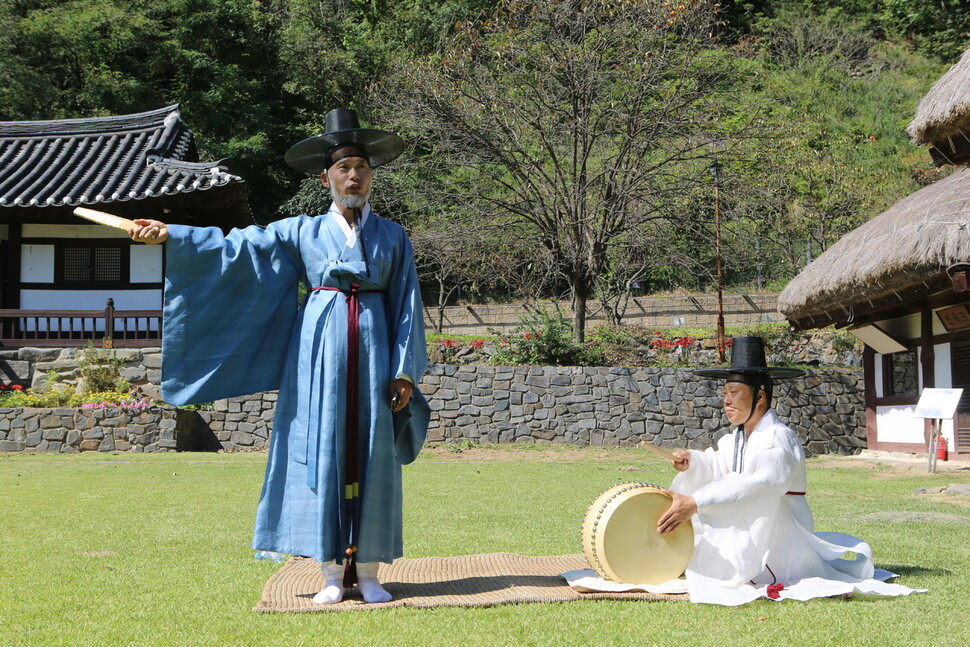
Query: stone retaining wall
point(624, 406)
point(30, 366)
point(77, 430)
point(487, 404)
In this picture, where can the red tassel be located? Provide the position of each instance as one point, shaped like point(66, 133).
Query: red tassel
point(773, 590)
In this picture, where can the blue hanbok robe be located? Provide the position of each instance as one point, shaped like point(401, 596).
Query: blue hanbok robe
point(233, 326)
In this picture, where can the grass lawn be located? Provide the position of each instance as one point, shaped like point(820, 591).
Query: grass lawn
point(128, 549)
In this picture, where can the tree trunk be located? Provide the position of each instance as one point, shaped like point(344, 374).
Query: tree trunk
point(579, 313)
point(442, 300)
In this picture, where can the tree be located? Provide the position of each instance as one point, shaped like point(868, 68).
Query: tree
point(456, 254)
point(575, 119)
point(216, 58)
point(837, 153)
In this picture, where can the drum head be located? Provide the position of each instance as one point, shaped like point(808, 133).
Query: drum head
point(621, 541)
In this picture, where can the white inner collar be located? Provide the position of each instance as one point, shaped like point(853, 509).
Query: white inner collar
point(351, 234)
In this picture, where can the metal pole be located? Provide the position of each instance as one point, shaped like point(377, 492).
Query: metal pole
point(716, 173)
point(720, 276)
point(757, 255)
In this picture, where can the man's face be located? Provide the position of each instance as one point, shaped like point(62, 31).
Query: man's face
point(738, 399)
point(349, 182)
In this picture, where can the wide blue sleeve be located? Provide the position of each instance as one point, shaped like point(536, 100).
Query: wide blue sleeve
point(229, 310)
point(408, 352)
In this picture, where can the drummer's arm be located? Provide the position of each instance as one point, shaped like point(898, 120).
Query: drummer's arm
point(682, 508)
point(682, 461)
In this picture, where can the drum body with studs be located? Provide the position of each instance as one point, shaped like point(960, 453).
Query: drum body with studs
point(621, 541)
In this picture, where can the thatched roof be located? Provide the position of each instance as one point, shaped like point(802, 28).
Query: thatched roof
point(902, 252)
point(943, 116)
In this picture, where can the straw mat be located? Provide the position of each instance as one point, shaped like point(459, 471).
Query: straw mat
point(466, 581)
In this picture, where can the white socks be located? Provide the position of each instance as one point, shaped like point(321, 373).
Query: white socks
point(332, 593)
point(372, 590)
point(368, 585)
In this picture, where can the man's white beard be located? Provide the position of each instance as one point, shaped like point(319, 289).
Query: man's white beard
point(352, 201)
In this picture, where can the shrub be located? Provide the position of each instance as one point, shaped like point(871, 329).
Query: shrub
point(541, 338)
point(100, 369)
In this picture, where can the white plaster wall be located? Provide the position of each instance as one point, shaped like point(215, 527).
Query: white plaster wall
point(37, 264)
point(896, 424)
point(71, 231)
point(146, 265)
point(942, 361)
point(877, 376)
point(920, 380)
point(90, 300)
point(944, 380)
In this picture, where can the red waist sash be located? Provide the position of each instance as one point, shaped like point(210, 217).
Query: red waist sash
point(352, 485)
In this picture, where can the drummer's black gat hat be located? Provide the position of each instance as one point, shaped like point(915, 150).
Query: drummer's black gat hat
point(749, 366)
point(316, 154)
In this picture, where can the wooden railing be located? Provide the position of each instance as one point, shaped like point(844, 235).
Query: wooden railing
point(113, 328)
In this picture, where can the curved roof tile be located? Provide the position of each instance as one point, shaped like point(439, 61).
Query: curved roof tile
point(72, 162)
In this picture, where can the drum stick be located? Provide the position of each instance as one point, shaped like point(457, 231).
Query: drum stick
point(103, 218)
point(658, 451)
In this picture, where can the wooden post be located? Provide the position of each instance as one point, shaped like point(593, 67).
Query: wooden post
point(109, 324)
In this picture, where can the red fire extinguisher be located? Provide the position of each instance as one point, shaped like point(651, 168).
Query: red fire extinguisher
point(941, 454)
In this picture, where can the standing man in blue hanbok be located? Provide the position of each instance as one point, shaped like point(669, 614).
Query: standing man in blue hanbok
point(345, 360)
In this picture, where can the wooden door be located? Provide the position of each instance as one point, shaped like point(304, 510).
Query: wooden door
point(960, 353)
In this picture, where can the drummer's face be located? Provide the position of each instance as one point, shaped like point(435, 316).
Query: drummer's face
point(737, 402)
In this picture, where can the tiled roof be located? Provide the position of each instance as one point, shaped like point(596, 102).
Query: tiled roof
point(74, 162)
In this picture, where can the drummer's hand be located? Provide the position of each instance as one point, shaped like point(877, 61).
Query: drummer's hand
point(681, 509)
point(150, 232)
point(402, 389)
point(683, 460)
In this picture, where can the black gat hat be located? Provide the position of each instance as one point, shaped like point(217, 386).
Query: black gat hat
point(315, 154)
point(748, 360)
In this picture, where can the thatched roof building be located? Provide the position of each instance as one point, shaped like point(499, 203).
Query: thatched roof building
point(901, 255)
point(943, 117)
point(901, 284)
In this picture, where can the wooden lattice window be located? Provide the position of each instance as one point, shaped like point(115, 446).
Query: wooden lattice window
point(92, 264)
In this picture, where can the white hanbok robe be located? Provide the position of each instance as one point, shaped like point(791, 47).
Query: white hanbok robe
point(753, 526)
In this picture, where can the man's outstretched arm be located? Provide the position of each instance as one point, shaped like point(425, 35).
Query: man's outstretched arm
point(150, 232)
